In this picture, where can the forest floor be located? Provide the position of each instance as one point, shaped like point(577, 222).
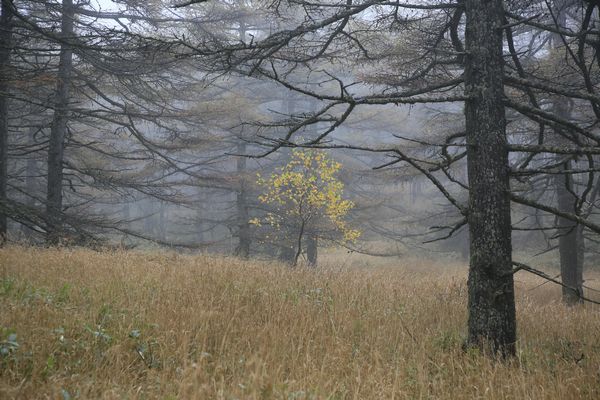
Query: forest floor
point(78, 324)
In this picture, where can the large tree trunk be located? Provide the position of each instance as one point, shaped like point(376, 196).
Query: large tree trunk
point(5, 48)
point(58, 130)
point(243, 217)
point(492, 324)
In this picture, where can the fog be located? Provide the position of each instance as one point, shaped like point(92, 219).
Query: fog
point(159, 125)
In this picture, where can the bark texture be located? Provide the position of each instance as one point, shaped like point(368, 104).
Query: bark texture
point(58, 130)
point(492, 324)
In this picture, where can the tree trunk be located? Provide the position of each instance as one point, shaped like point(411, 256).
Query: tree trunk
point(58, 131)
point(243, 217)
point(311, 250)
point(580, 257)
point(298, 251)
point(31, 170)
point(570, 235)
point(200, 233)
point(5, 49)
point(569, 246)
point(492, 323)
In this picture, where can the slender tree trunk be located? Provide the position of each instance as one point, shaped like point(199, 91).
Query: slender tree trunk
point(31, 170)
point(492, 324)
point(5, 49)
point(570, 242)
point(200, 234)
point(58, 131)
point(126, 213)
point(241, 200)
point(570, 235)
point(243, 217)
point(299, 243)
point(580, 257)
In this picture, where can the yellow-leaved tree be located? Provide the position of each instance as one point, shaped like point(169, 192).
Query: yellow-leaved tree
point(305, 196)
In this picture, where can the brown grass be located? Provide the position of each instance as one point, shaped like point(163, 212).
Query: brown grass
point(164, 326)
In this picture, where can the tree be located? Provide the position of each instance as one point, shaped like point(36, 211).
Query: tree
point(570, 234)
point(491, 287)
point(5, 51)
point(112, 137)
point(306, 197)
point(468, 53)
point(58, 131)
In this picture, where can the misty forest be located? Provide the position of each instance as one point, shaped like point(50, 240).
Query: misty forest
point(300, 199)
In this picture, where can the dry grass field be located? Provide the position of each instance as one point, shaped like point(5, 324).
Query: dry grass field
point(78, 324)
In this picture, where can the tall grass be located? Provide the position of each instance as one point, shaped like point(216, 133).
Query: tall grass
point(83, 324)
